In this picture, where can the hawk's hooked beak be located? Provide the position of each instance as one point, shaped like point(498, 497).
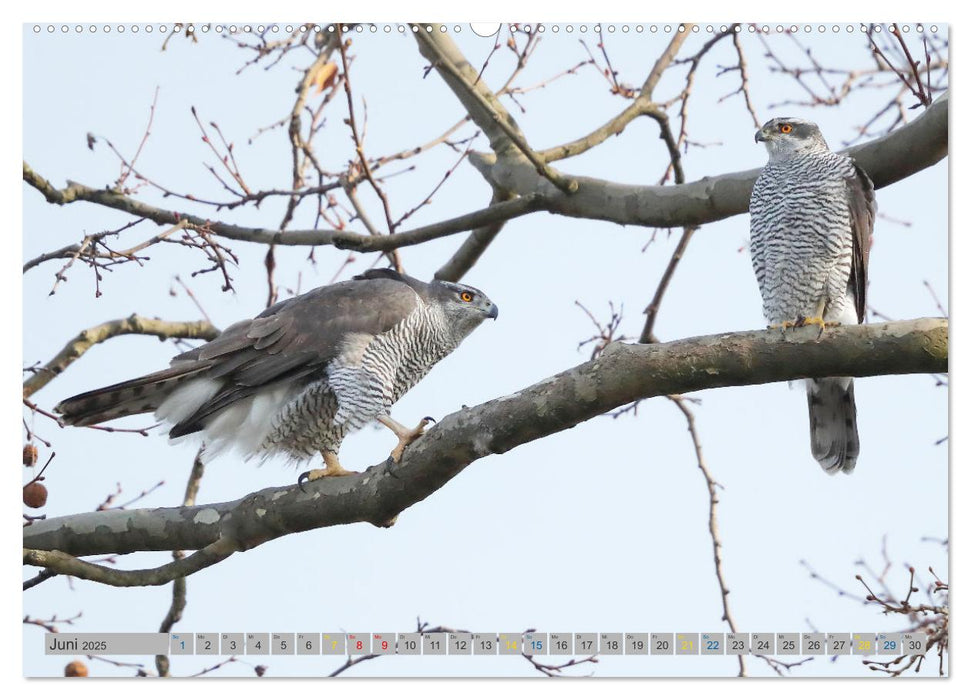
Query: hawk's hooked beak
point(760, 136)
point(493, 312)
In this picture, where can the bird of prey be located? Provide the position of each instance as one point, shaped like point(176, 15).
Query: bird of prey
point(304, 373)
point(812, 218)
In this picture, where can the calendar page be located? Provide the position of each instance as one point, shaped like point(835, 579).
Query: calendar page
point(510, 350)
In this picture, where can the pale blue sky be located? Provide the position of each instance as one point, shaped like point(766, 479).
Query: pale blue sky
point(600, 528)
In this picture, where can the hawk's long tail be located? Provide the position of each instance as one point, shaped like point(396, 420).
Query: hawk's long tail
point(142, 395)
point(832, 423)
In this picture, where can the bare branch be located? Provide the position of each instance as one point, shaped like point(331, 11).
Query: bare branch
point(62, 563)
point(177, 606)
point(484, 108)
point(496, 213)
point(474, 245)
point(134, 324)
point(642, 104)
point(712, 519)
point(891, 158)
point(647, 335)
point(665, 60)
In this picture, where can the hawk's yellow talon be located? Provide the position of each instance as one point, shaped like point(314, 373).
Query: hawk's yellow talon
point(333, 468)
point(405, 435)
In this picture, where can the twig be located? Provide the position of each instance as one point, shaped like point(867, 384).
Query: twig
point(606, 333)
point(127, 169)
point(743, 88)
point(642, 104)
point(51, 624)
point(106, 505)
point(500, 212)
point(121, 664)
point(779, 665)
point(647, 334)
point(174, 614)
point(712, 518)
point(177, 607)
point(228, 160)
point(72, 566)
point(566, 185)
point(350, 663)
point(937, 300)
point(195, 301)
point(362, 159)
point(226, 662)
point(39, 578)
point(918, 91)
point(90, 337)
point(428, 199)
point(473, 246)
point(556, 671)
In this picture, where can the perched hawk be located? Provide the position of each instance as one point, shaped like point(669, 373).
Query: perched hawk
point(307, 371)
point(812, 217)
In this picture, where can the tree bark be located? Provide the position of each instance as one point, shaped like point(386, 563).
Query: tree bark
point(621, 374)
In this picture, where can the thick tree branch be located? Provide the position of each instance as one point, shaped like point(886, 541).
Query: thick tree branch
point(620, 375)
point(888, 159)
point(134, 324)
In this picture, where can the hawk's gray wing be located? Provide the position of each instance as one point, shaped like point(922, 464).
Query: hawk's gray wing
point(295, 339)
point(863, 210)
point(290, 341)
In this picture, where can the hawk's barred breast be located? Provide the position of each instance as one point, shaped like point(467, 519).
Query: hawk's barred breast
point(801, 238)
point(363, 386)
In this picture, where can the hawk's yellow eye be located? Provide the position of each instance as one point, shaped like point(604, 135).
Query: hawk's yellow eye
point(785, 128)
point(465, 296)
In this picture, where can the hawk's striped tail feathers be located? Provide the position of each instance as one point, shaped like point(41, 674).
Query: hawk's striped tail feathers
point(832, 423)
point(142, 395)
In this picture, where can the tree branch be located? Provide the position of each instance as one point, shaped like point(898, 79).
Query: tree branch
point(90, 337)
point(713, 502)
point(888, 159)
point(483, 106)
point(494, 214)
point(620, 375)
point(62, 563)
point(489, 216)
point(473, 246)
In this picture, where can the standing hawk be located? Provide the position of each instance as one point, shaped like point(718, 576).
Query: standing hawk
point(307, 371)
point(812, 217)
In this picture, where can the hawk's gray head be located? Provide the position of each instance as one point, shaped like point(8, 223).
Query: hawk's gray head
point(465, 307)
point(787, 136)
